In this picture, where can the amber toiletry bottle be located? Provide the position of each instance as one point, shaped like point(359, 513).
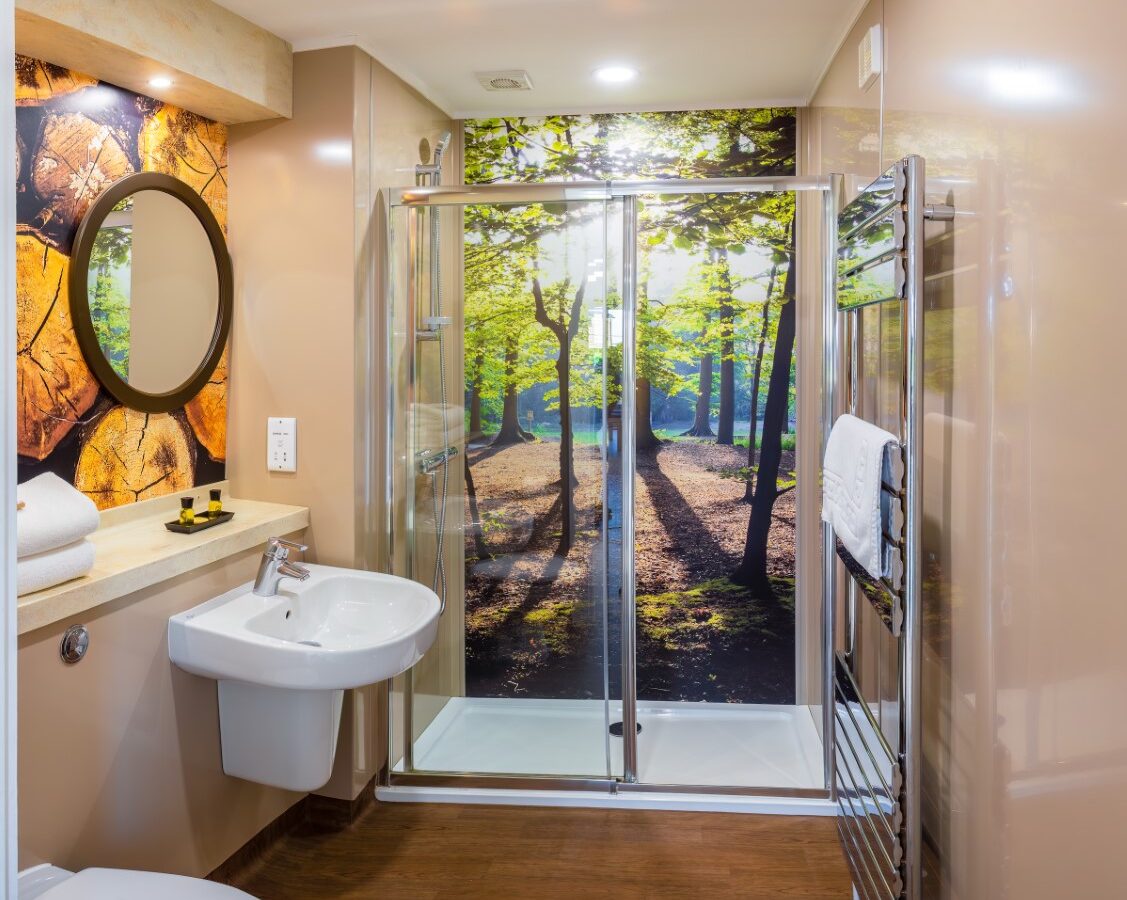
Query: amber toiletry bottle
point(187, 514)
point(214, 505)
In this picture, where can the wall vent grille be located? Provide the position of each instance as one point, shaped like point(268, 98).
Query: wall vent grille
point(505, 80)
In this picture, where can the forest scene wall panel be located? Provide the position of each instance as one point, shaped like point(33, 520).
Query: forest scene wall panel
point(715, 411)
point(75, 136)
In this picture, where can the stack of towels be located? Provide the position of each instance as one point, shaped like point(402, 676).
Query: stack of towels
point(52, 522)
point(851, 476)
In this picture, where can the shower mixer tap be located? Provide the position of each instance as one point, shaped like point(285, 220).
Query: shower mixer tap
point(428, 461)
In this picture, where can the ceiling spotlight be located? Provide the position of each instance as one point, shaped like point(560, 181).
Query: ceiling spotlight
point(160, 82)
point(615, 74)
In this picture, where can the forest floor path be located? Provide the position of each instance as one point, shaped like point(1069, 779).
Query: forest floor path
point(536, 624)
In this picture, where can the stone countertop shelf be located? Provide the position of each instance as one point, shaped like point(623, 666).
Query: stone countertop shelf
point(135, 551)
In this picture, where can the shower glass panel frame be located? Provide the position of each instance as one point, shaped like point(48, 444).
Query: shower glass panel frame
point(405, 209)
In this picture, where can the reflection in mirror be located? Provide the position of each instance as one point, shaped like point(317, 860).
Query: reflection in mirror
point(153, 291)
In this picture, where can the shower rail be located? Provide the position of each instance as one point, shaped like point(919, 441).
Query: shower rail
point(877, 786)
point(508, 192)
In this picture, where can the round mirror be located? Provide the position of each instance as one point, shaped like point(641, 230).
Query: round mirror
point(151, 291)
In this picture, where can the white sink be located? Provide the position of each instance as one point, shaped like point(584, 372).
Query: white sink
point(283, 663)
point(340, 628)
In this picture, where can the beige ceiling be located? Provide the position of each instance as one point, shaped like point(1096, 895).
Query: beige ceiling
point(689, 53)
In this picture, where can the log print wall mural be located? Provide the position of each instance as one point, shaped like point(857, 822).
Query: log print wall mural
point(74, 136)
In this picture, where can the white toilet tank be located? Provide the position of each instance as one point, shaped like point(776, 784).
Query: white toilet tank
point(48, 882)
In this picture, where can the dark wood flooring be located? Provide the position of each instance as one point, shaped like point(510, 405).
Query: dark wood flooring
point(423, 851)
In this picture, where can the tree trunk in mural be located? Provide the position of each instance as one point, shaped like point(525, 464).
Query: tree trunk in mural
point(761, 344)
point(752, 570)
point(726, 415)
point(701, 425)
point(510, 431)
point(475, 409)
point(645, 439)
point(475, 397)
point(564, 332)
point(481, 549)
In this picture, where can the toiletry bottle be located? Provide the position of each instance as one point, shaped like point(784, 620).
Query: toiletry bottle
point(214, 505)
point(187, 514)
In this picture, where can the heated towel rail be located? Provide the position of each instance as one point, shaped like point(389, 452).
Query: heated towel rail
point(878, 244)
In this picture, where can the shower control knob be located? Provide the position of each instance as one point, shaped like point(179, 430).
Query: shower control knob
point(76, 640)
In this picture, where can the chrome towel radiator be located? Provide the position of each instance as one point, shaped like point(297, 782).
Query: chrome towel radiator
point(873, 368)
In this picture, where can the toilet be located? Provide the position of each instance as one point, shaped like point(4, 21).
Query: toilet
point(47, 882)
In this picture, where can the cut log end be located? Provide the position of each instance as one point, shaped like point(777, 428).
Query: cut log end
point(180, 143)
point(54, 386)
point(207, 412)
point(130, 456)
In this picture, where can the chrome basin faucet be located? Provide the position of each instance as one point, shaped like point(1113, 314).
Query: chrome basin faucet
point(276, 565)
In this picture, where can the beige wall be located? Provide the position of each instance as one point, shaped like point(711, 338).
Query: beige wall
point(119, 761)
point(1018, 109)
point(292, 239)
point(307, 333)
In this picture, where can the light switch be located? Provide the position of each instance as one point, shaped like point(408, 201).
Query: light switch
point(281, 444)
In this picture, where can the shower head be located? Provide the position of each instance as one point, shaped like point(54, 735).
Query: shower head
point(433, 169)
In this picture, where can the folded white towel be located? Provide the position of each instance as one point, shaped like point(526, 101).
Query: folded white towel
point(44, 570)
point(54, 514)
point(851, 487)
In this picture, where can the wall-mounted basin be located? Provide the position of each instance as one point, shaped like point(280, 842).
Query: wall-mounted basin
point(283, 663)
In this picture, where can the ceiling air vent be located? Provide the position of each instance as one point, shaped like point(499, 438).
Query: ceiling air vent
point(505, 80)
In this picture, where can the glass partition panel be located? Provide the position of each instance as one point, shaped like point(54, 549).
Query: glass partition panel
point(505, 345)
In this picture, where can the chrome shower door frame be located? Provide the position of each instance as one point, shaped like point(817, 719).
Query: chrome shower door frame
point(624, 193)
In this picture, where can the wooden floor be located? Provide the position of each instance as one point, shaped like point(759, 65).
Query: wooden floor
point(423, 851)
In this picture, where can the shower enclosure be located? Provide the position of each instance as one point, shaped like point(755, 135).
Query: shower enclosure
point(549, 541)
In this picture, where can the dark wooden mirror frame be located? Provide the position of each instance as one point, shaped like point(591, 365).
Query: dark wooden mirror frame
point(121, 390)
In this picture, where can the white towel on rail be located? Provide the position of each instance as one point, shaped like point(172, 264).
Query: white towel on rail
point(44, 570)
point(851, 487)
point(54, 514)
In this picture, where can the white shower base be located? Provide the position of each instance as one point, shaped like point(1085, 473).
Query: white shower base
point(696, 744)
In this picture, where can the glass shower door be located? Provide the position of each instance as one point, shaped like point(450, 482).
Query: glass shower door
point(505, 345)
point(714, 575)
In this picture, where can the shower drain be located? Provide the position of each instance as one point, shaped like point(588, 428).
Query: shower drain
point(617, 728)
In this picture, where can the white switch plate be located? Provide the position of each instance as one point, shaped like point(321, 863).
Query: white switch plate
point(281, 444)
